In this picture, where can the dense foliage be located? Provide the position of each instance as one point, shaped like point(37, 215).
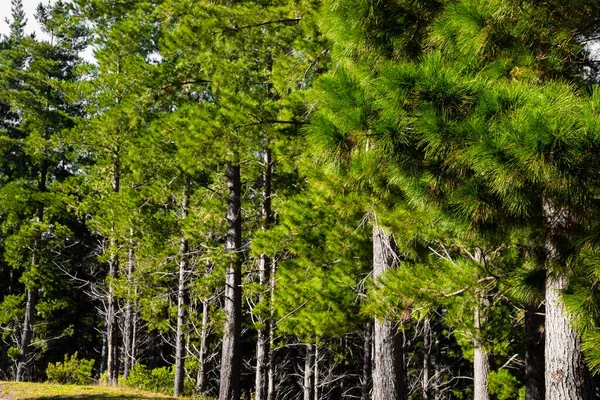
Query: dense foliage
point(338, 199)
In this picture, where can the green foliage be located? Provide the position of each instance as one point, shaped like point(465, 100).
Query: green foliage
point(72, 370)
point(503, 385)
point(158, 380)
point(13, 353)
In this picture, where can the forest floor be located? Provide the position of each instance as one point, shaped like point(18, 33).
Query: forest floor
point(30, 391)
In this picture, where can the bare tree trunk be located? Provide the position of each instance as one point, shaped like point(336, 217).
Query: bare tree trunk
point(230, 356)
point(262, 342)
point(128, 329)
point(566, 377)
point(27, 334)
point(271, 387)
point(132, 349)
point(481, 362)
point(534, 353)
point(426, 356)
point(388, 369)
point(104, 353)
point(111, 317)
point(201, 377)
point(437, 359)
point(181, 300)
point(367, 366)
point(316, 372)
point(309, 382)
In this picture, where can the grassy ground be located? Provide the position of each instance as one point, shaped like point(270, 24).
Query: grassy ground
point(30, 391)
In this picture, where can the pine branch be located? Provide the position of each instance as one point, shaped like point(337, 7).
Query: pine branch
point(272, 121)
point(236, 28)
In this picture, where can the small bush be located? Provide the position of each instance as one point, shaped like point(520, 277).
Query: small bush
point(72, 370)
point(159, 380)
point(155, 380)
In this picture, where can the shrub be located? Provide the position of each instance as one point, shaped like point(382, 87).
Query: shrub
point(155, 380)
point(72, 370)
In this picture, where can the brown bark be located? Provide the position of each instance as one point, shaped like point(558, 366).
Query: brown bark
point(534, 353)
point(262, 342)
point(181, 301)
point(230, 356)
point(388, 369)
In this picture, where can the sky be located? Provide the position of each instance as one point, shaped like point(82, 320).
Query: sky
point(29, 6)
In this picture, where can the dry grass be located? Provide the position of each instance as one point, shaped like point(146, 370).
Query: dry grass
point(29, 391)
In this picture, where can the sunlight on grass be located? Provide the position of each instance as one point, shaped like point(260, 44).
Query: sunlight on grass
point(26, 391)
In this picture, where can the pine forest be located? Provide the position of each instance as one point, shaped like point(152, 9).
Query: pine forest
point(303, 199)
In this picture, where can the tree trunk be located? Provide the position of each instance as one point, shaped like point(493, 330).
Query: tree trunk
point(388, 369)
point(309, 377)
point(481, 362)
point(201, 377)
point(367, 366)
point(230, 356)
point(426, 356)
point(271, 387)
point(437, 362)
point(566, 377)
point(111, 315)
point(128, 329)
point(316, 372)
point(262, 342)
point(534, 353)
point(181, 300)
point(27, 334)
point(133, 335)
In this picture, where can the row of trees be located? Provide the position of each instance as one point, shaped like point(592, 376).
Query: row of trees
point(354, 199)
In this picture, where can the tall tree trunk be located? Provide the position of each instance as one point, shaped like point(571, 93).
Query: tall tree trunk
point(181, 300)
point(201, 377)
point(566, 377)
point(426, 356)
point(367, 366)
point(132, 349)
point(262, 342)
point(128, 329)
point(437, 362)
point(27, 334)
point(309, 377)
point(111, 317)
point(388, 369)
point(316, 372)
point(230, 356)
point(481, 361)
point(534, 353)
point(271, 387)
